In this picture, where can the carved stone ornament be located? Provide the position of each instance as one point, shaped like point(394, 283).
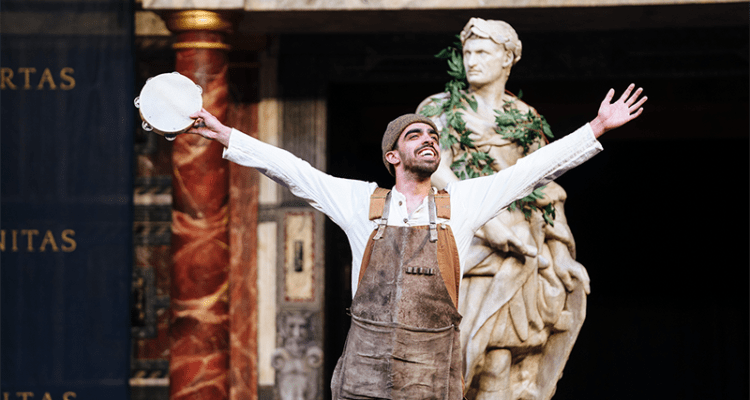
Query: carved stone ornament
point(298, 361)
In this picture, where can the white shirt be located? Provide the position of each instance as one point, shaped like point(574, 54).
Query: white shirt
point(473, 201)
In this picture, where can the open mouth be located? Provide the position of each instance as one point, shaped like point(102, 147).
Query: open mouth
point(427, 152)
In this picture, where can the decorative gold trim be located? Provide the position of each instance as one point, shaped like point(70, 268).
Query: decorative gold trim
point(201, 45)
point(198, 20)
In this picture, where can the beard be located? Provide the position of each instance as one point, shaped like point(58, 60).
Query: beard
point(419, 167)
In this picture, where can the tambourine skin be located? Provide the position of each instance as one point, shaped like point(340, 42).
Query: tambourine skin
point(166, 103)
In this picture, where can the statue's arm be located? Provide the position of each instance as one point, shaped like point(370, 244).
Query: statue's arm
point(444, 175)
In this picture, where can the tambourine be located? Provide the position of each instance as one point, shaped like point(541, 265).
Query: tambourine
point(166, 103)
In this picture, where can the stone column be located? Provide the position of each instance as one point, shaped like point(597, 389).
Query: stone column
point(243, 270)
point(199, 329)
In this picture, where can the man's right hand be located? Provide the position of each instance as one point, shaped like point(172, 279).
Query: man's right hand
point(210, 127)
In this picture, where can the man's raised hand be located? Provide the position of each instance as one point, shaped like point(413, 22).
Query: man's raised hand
point(613, 115)
point(209, 127)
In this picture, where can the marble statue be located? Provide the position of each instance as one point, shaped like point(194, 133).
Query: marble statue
point(523, 295)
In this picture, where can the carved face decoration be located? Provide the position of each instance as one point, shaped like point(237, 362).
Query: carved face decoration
point(296, 333)
point(485, 61)
point(418, 149)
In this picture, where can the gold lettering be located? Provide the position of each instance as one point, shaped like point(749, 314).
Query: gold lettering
point(15, 241)
point(27, 79)
point(6, 74)
point(49, 238)
point(46, 77)
point(68, 395)
point(47, 396)
point(5, 395)
point(66, 237)
point(29, 234)
point(68, 78)
point(25, 395)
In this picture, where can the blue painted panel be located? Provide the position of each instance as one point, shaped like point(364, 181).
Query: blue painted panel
point(66, 150)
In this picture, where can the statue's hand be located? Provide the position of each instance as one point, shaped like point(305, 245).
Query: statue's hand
point(479, 126)
point(614, 115)
point(500, 237)
point(570, 271)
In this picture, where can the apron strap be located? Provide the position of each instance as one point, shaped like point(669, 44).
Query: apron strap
point(377, 201)
point(379, 207)
point(443, 203)
point(380, 203)
point(433, 217)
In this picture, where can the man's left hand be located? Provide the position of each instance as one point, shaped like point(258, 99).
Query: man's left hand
point(613, 115)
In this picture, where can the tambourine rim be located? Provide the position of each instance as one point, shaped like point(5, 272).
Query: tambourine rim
point(149, 112)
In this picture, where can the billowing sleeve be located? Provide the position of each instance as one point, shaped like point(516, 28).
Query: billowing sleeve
point(481, 199)
point(342, 200)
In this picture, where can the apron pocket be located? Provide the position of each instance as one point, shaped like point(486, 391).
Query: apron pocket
point(366, 365)
point(421, 364)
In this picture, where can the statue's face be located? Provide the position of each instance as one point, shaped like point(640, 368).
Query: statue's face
point(296, 327)
point(485, 61)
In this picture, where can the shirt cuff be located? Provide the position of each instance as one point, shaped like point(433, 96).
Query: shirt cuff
point(237, 140)
point(588, 133)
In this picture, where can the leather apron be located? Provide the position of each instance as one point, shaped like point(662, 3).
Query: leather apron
point(404, 341)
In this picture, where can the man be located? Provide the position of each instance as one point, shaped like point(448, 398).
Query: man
point(523, 295)
point(403, 343)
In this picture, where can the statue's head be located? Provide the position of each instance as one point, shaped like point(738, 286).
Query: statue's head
point(491, 48)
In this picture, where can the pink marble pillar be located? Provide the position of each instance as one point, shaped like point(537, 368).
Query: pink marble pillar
point(243, 277)
point(200, 323)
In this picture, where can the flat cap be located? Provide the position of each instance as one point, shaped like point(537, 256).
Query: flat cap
point(393, 132)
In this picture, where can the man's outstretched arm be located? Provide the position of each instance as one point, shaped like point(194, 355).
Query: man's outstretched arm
point(614, 115)
point(341, 199)
point(551, 161)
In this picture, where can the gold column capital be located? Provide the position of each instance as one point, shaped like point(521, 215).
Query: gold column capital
point(199, 20)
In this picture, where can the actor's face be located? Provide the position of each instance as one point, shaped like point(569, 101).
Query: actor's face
point(418, 149)
point(485, 61)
